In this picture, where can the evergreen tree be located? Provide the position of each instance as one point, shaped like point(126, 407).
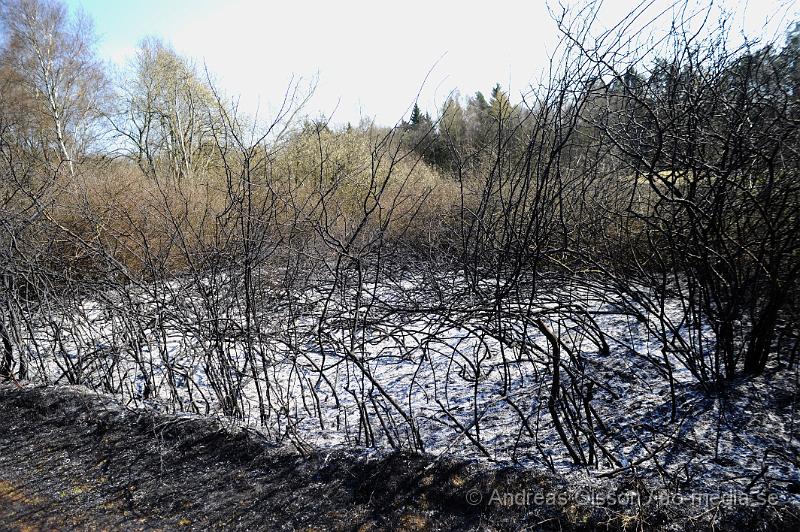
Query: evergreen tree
point(500, 107)
point(479, 101)
point(416, 116)
point(452, 125)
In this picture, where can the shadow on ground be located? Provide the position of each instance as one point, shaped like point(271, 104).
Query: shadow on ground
point(72, 459)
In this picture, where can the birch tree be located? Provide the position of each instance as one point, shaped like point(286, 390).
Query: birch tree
point(49, 58)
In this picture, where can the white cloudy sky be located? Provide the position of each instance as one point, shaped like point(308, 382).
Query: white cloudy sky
point(370, 58)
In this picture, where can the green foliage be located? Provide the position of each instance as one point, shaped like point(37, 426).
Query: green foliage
point(416, 116)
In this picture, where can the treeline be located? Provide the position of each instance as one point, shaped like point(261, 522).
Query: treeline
point(464, 134)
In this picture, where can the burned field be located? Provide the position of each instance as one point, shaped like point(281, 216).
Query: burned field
point(575, 307)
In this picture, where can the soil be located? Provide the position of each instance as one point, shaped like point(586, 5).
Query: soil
point(73, 459)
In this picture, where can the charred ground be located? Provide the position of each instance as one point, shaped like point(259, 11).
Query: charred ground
point(72, 459)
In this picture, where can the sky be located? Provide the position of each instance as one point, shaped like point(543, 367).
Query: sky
point(367, 59)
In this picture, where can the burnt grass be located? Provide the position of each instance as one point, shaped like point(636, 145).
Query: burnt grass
point(71, 459)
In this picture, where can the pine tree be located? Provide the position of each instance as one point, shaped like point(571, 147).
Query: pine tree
point(500, 107)
point(479, 101)
point(452, 125)
point(416, 116)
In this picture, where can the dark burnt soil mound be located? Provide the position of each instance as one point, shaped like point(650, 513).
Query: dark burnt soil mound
point(72, 459)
